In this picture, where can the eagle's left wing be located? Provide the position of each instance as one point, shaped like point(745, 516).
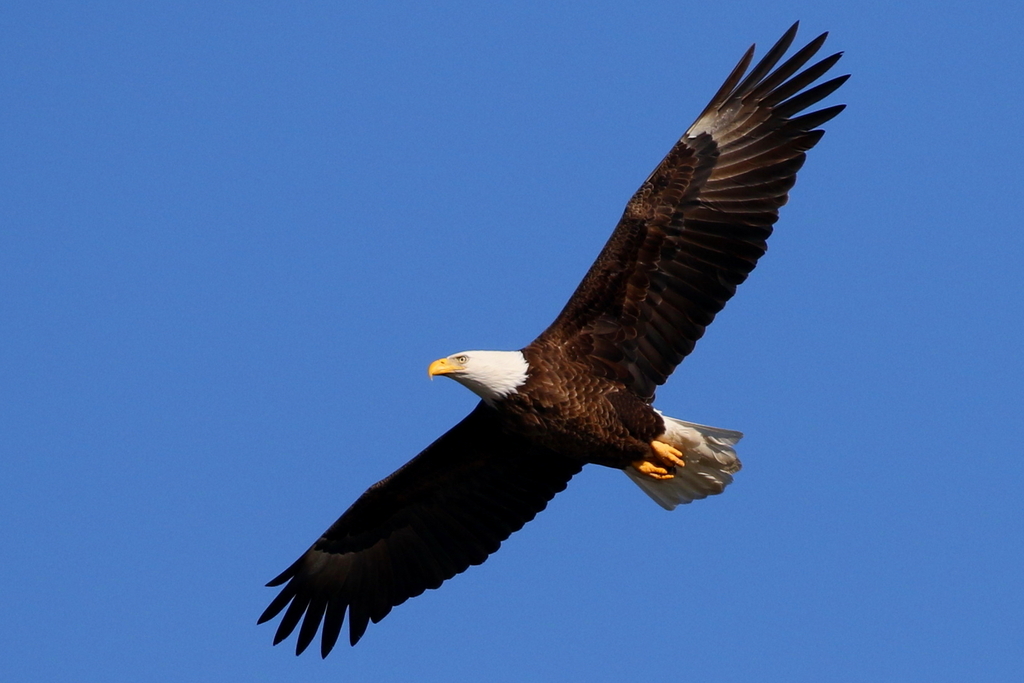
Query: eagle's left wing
point(697, 226)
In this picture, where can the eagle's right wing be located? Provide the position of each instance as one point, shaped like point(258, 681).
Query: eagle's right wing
point(446, 509)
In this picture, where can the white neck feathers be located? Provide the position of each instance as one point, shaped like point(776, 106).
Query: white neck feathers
point(492, 375)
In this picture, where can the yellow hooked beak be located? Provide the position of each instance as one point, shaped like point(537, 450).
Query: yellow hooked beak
point(443, 366)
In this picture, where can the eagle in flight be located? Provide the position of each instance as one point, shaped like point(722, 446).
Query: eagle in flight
point(583, 391)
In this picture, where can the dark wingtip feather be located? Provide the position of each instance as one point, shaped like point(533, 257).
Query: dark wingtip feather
point(290, 619)
point(356, 630)
point(333, 620)
point(809, 97)
point(310, 625)
point(276, 605)
point(790, 34)
point(768, 62)
point(817, 118)
point(285, 575)
point(778, 78)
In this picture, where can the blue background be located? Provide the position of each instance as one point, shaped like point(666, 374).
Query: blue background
point(233, 235)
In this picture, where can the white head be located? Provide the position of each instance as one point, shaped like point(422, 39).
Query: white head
point(491, 375)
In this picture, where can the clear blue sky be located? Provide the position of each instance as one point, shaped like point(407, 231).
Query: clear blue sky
point(233, 235)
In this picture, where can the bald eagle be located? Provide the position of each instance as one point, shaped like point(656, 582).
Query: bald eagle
point(583, 391)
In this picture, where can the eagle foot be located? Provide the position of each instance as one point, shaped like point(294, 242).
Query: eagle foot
point(668, 455)
point(665, 459)
point(651, 470)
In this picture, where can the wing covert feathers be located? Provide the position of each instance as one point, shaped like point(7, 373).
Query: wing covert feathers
point(698, 225)
point(446, 509)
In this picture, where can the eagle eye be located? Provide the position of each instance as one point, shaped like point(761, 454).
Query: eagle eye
point(461, 359)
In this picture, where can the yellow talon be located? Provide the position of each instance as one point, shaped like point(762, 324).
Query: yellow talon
point(666, 452)
point(651, 470)
point(664, 461)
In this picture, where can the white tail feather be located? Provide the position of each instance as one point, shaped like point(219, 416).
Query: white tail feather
point(710, 463)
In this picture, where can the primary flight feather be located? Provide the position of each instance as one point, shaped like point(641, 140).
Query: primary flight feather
point(583, 391)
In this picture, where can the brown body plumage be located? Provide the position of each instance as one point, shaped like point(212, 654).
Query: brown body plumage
point(568, 408)
point(583, 391)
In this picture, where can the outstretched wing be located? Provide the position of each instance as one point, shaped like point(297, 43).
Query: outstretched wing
point(697, 226)
point(446, 509)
